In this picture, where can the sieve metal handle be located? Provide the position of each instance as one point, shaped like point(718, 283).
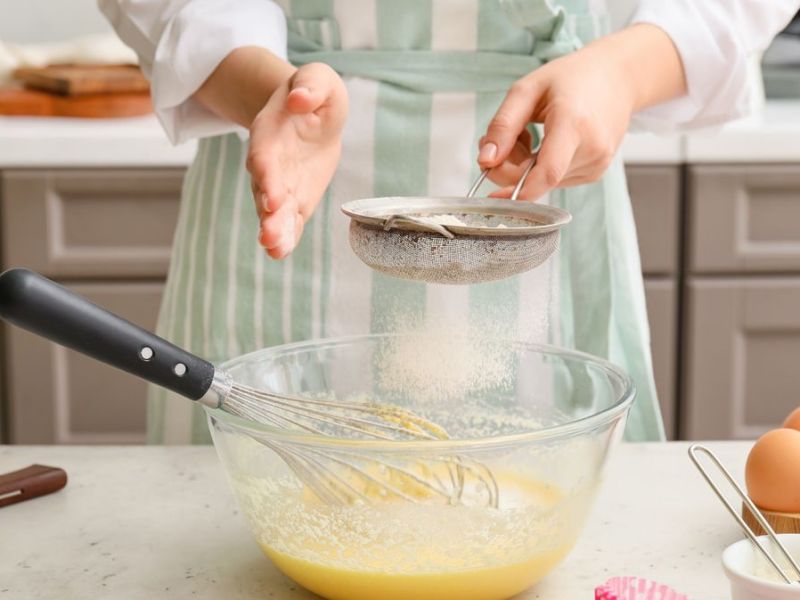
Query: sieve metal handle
point(517, 188)
point(433, 227)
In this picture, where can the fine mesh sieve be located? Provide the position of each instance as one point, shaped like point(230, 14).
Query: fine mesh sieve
point(454, 240)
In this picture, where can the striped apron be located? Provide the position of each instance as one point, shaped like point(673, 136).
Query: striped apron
point(424, 78)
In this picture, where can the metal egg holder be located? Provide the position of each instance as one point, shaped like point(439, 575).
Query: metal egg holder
point(775, 552)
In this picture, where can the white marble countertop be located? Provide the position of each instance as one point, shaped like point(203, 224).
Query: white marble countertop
point(160, 522)
point(49, 142)
point(770, 136)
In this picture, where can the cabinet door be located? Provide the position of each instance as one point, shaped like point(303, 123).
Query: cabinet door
point(742, 369)
point(744, 219)
point(85, 223)
point(655, 196)
point(662, 312)
point(58, 396)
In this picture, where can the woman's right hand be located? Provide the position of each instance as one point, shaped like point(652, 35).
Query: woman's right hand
point(585, 101)
point(295, 143)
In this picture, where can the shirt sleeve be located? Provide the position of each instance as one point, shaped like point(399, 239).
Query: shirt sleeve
point(181, 42)
point(716, 40)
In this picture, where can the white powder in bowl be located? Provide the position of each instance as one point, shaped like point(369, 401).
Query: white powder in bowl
point(764, 570)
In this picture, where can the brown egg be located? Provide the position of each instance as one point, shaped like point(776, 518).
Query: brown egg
point(772, 472)
point(793, 420)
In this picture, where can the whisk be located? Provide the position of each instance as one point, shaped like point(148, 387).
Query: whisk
point(45, 308)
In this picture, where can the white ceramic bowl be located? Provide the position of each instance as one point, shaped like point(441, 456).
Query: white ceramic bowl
point(745, 567)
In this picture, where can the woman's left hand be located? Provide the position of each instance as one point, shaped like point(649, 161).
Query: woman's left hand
point(295, 143)
point(295, 117)
point(585, 101)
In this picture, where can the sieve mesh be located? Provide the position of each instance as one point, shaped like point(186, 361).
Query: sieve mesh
point(454, 240)
point(464, 259)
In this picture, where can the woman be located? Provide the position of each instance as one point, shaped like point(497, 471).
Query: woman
point(423, 78)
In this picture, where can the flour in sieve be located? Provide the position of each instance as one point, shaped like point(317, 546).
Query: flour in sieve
point(442, 220)
point(453, 220)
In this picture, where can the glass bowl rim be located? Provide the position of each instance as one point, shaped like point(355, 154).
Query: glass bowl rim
point(563, 430)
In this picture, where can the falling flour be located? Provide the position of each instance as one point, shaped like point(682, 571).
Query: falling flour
point(442, 361)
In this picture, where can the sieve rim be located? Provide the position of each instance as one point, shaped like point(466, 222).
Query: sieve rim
point(377, 211)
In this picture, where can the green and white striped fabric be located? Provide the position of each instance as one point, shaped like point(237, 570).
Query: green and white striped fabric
point(424, 78)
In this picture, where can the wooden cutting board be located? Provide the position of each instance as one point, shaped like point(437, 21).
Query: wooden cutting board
point(22, 102)
point(75, 80)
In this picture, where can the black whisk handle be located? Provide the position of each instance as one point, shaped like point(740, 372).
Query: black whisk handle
point(33, 302)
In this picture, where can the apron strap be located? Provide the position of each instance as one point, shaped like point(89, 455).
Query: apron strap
point(318, 40)
point(549, 24)
point(426, 71)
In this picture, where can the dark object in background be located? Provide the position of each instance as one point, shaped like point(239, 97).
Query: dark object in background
point(30, 482)
point(781, 63)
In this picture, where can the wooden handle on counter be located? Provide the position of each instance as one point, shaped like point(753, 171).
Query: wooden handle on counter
point(30, 482)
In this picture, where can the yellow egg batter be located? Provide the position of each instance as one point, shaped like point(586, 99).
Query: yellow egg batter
point(405, 551)
point(491, 583)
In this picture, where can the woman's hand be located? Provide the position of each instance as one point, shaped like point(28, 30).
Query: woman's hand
point(585, 101)
point(295, 117)
point(295, 143)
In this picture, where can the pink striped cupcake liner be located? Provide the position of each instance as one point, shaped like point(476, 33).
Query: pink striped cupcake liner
point(635, 588)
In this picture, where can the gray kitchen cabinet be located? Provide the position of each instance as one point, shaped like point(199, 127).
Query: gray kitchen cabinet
point(106, 234)
point(656, 199)
point(741, 363)
point(62, 397)
point(744, 219)
point(662, 312)
point(87, 223)
point(742, 325)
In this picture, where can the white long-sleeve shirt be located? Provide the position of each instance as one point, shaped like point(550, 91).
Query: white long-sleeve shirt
point(181, 42)
point(715, 39)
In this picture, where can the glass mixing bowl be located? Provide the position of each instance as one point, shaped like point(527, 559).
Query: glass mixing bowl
point(542, 420)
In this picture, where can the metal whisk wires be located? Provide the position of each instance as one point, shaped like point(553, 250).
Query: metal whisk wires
point(346, 476)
